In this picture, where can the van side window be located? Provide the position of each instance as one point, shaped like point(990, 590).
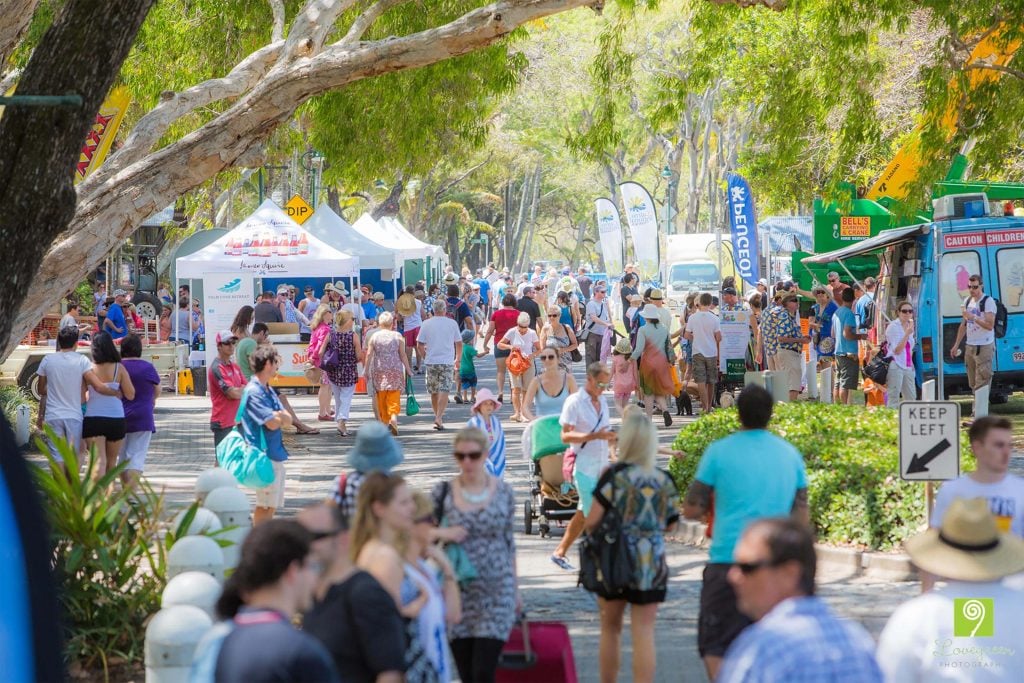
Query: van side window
point(957, 268)
point(1010, 263)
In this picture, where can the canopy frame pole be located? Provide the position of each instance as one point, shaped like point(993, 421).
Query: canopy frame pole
point(940, 333)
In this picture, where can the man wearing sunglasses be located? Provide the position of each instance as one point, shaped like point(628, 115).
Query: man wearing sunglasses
point(796, 636)
point(978, 325)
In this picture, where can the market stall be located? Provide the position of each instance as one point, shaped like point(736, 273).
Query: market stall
point(267, 244)
point(389, 233)
point(378, 264)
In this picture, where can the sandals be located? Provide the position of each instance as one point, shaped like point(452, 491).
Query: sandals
point(393, 428)
point(308, 432)
point(563, 563)
point(325, 418)
point(346, 433)
point(458, 399)
point(438, 428)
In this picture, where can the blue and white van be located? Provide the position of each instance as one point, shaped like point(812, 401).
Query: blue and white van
point(911, 260)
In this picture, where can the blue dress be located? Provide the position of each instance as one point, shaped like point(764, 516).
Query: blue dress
point(825, 342)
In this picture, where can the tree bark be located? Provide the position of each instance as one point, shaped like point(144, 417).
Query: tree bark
point(40, 146)
point(15, 16)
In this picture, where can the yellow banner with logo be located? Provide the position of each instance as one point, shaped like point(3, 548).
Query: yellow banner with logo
point(101, 134)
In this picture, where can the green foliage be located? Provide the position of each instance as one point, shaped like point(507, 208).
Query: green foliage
point(852, 458)
point(11, 397)
point(109, 563)
point(83, 295)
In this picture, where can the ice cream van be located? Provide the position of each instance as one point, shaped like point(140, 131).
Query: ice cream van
point(929, 264)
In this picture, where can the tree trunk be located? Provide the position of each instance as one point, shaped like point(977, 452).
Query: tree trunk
point(524, 256)
point(390, 206)
point(40, 146)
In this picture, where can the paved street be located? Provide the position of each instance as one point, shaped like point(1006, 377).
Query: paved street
point(183, 446)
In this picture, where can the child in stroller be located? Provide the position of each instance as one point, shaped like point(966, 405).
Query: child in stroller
point(552, 498)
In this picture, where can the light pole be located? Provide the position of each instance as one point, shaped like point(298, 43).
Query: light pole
point(314, 168)
point(669, 176)
point(485, 240)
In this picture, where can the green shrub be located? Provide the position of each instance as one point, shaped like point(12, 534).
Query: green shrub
point(852, 457)
point(109, 562)
point(13, 396)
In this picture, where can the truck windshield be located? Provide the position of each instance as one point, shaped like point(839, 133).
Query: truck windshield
point(686, 275)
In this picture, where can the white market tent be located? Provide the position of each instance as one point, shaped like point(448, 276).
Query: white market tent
point(384, 233)
point(328, 226)
point(269, 243)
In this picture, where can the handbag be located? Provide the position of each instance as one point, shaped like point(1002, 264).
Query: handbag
point(605, 564)
point(412, 406)
point(590, 325)
point(463, 567)
point(575, 355)
point(877, 369)
point(517, 363)
point(249, 465)
point(313, 374)
point(332, 357)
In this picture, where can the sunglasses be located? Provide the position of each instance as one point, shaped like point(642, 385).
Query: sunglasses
point(472, 455)
point(974, 286)
point(749, 568)
point(321, 535)
point(553, 315)
point(548, 356)
point(906, 310)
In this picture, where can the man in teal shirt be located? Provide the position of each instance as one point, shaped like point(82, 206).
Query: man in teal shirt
point(844, 327)
point(752, 474)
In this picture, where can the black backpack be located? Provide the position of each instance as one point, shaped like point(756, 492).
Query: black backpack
point(1000, 324)
point(868, 321)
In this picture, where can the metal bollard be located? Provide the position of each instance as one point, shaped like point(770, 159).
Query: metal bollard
point(211, 479)
point(197, 589)
point(171, 639)
point(196, 554)
point(22, 431)
point(231, 505)
point(204, 521)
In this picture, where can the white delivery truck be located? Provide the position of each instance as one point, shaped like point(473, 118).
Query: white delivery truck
point(688, 265)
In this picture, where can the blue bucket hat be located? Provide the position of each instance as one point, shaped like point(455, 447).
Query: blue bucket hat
point(374, 449)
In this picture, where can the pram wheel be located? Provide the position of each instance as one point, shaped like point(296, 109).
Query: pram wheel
point(528, 517)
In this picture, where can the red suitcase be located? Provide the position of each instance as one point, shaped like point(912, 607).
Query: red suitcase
point(537, 652)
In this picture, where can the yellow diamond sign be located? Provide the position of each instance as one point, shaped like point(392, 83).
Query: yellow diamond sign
point(298, 209)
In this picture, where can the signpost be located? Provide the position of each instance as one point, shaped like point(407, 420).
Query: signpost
point(298, 209)
point(929, 440)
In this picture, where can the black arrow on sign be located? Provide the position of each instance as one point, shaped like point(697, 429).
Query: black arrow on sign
point(919, 464)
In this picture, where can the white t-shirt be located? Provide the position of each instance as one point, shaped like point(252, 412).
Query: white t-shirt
point(1005, 500)
point(578, 411)
point(439, 334)
point(63, 372)
point(600, 310)
point(68, 321)
point(411, 322)
point(523, 342)
point(918, 642)
point(357, 313)
point(976, 334)
point(703, 325)
point(893, 335)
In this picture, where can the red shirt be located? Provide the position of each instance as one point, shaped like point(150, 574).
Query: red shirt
point(221, 377)
point(504, 319)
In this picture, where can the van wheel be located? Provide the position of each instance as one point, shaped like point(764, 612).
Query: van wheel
point(29, 380)
point(999, 398)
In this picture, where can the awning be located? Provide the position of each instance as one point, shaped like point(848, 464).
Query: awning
point(871, 244)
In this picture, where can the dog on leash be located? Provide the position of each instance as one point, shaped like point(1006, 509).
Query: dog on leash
point(684, 404)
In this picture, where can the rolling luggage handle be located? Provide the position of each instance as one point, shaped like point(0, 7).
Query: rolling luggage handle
point(519, 660)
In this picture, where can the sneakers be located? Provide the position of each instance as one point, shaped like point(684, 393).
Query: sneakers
point(668, 418)
point(563, 563)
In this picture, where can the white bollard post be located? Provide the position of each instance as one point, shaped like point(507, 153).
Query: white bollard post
point(22, 426)
point(205, 521)
point(231, 505)
point(211, 479)
point(197, 589)
point(171, 639)
point(825, 385)
point(195, 553)
point(928, 390)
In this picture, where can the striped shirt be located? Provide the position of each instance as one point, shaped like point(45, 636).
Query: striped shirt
point(496, 437)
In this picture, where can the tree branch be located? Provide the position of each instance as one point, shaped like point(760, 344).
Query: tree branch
point(447, 186)
point(277, 32)
point(9, 79)
point(1016, 73)
point(312, 25)
point(14, 19)
point(366, 19)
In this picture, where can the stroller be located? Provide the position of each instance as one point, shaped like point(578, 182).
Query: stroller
point(551, 498)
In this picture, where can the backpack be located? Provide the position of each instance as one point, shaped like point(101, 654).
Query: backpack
point(452, 311)
point(868, 321)
point(1000, 323)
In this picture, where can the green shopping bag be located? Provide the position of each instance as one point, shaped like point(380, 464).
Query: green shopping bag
point(412, 406)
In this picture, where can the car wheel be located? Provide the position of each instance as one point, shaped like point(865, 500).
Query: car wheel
point(29, 380)
point(147, 306)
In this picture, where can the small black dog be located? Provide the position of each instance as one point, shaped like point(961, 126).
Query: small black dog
point(684, 404)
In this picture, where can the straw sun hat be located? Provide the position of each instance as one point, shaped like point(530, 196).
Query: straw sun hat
point(968, 546)
point(406, 304)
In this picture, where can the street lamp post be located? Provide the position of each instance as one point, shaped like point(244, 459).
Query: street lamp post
point(669, 176)
point(314, 168)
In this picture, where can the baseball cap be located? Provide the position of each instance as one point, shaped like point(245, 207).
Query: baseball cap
point(474, 286)
point(283, 289)
point(763, 281)
point(729, 290)
point(225, 336)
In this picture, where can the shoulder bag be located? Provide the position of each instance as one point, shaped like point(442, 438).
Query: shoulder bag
point(412, 406)
point(332, 356)
point(465, 570)
point(877, 369)
point(517, 363)
point(605, 564)
point(589, 326)
point(249, 464)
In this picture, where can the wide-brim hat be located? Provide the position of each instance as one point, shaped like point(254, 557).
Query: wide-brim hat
point(567, 286)
point(484, 395)
point(623, 347)
point(968, 546)
point(650, 311)
point(339, 287)
point(657, 294)
point(451, 278)
point(406, 304)
point(374, 450)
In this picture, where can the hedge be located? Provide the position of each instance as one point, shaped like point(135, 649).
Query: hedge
point(856, 495)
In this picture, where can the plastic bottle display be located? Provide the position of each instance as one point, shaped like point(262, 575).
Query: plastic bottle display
point(282, 245)
point(293, 244)
point(303, 244)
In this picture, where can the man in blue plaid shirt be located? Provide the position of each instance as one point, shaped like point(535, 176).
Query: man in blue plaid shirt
point(796, 637)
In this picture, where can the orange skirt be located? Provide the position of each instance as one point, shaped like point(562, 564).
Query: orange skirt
point(655, 373)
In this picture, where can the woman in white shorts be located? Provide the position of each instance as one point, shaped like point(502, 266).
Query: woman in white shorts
point(526, 340)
